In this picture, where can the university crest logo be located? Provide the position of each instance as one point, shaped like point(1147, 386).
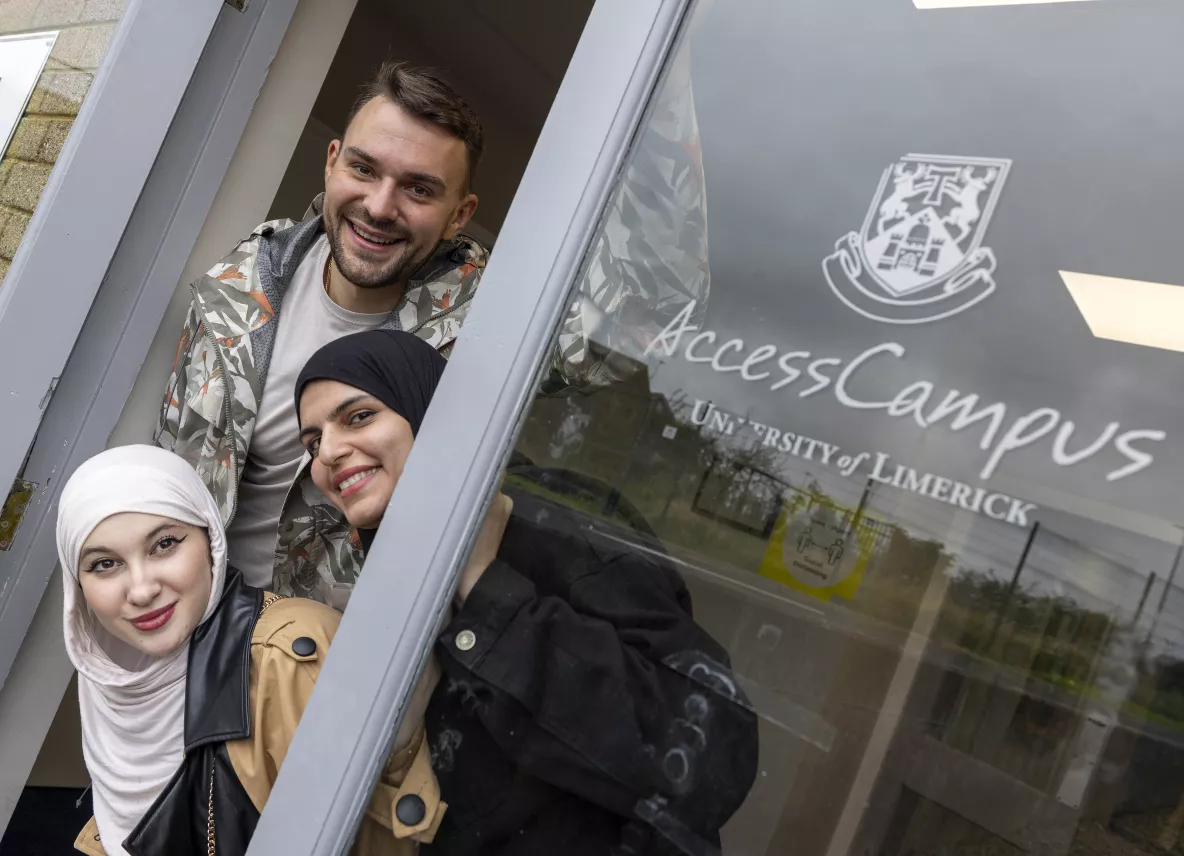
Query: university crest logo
point(919, 256)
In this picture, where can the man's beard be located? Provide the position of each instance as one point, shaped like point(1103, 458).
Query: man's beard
point(365, 275)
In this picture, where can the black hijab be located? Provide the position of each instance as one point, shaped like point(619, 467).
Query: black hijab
point(399, 369)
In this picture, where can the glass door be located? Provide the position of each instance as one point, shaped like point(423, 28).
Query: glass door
point(864, 330)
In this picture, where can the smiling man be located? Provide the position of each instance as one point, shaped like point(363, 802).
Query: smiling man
point(382, 247)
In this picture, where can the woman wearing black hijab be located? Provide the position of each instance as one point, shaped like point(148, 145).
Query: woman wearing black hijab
point(582, 710)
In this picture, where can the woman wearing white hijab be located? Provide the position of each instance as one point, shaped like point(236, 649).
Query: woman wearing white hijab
point(190, 682)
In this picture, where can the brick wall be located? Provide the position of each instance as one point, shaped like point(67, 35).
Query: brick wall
point(86, 28)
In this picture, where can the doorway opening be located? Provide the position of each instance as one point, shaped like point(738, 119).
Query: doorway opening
point(506, 58)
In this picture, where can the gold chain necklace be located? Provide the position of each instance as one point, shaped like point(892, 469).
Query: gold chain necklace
point(328, 274)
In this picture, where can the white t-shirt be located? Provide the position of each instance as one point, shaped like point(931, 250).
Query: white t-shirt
point(308, 320)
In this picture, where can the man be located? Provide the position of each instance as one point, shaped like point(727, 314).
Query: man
point(640, 276)
point(383, 248)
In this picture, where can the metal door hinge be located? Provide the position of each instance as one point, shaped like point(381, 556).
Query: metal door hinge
point(241, 5)
point(14, 511)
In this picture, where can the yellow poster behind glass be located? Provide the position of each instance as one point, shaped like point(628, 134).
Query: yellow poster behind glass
point(818, 547)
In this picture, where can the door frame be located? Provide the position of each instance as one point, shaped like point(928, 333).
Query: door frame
point(184, 74)
point(346, 731)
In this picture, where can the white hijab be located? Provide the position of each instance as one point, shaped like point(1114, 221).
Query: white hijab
point(133, 720)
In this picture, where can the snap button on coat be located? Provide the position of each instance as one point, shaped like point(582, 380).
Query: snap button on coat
point(304, 647)
point(410, 810)
point(465, 640)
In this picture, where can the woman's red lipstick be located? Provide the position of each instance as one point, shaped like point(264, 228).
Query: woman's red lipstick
point(154, 620)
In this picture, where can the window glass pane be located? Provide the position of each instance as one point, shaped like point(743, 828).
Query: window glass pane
point(49, 53)
point(873, 353)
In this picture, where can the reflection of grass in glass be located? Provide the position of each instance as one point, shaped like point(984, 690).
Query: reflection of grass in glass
point(691, 531)
point(1174, 721)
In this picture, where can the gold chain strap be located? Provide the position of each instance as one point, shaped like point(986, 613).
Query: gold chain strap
point(210, 844)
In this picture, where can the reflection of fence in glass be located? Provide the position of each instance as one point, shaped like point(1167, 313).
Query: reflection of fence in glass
point(1075, 621)
point(1165, 631)
point(739, 495)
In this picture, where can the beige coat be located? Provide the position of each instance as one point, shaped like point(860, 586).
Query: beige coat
point(281, 684)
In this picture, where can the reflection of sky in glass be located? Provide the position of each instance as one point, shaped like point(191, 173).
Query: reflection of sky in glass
point(800, 176)
point(1057, 566)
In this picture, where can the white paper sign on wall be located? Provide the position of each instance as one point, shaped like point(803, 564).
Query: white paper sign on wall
point(22, 59)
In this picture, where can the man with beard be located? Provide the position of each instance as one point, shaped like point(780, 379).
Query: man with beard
point(382, 247)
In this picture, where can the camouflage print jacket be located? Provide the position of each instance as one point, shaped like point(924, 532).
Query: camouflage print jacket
point(209, 410)
point(649, 258)
point(648, 261)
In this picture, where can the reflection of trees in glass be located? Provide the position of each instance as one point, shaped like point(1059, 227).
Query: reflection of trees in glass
point(623, 444)
point(897, 577)
point(1052, 636)
point(1054, 639)
point(689, 484)
point(624, 441)
point(1018, 694)
point(736, 493)
point(1013, 670)
point(1161, 690)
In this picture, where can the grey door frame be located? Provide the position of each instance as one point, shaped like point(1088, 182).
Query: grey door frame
point(112, 235)
point(397, 607)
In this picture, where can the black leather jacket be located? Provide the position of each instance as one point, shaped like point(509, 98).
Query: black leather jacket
point(217, 710)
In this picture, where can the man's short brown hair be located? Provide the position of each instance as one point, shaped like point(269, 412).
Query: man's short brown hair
point(425, 95)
